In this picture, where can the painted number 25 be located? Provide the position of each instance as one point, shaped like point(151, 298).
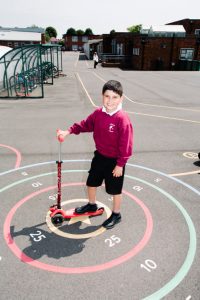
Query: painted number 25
point(38, 236)
point(113, 240)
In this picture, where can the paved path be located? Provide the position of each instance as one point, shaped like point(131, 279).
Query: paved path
point(154, 252)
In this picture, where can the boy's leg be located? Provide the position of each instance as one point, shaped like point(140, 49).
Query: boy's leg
point(115, 216)
point(91, 194)
point(91, 205)
point(117, 199)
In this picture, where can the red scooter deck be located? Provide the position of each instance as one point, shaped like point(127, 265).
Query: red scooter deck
point(68, 214)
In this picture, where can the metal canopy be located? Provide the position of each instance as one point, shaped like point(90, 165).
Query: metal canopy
point(24, 70)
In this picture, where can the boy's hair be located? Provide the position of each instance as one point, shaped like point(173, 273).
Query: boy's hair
point(114, 86)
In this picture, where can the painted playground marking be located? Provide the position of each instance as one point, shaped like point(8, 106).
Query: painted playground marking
point(18, 154)
point(136, 249)
point(179, 276)
point(57, 231)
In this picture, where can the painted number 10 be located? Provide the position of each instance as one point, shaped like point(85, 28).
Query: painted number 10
point(149, 265)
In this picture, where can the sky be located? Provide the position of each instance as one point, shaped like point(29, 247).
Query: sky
point(101, 16)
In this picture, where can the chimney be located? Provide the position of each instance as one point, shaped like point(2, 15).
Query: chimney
point(43, 38)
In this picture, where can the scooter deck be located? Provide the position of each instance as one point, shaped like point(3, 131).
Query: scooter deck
point(68, 214)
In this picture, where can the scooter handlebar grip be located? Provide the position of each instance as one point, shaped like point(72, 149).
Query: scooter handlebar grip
point(60, 136)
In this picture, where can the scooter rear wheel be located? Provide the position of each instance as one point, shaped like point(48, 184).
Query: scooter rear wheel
point(57, 219)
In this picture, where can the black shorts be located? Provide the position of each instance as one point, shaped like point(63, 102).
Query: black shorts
point(101, 169)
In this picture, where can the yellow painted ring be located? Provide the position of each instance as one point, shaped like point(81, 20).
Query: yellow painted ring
point(56, 230)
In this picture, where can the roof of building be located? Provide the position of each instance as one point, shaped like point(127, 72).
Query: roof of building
point(94, 41)
point(163, 28)
point(4, 50)
point(27, 29)
point(168, 28)
point(8, 35)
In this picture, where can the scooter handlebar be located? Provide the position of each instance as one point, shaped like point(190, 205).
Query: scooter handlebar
point(60, 137)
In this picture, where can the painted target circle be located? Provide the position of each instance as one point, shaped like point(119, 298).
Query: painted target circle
point(185, 267)
point(136, 249)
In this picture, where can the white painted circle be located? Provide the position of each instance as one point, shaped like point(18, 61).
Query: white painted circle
point(191, 155)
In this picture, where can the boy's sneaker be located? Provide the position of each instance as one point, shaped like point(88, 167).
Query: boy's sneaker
point(112, 220)
point(86, 208)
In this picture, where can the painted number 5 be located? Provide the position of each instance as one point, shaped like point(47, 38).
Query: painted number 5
point(113, 240)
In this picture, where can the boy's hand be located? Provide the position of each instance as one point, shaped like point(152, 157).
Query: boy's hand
point(61, 134)
point(117, 172)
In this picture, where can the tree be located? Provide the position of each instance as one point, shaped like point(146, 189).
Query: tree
point(112, 31)
point(33, 26)
point(135, 28)
point(88, 31)
point(71, 31)
point(80, 32)
point(51, 32)
point(61, 42)
point(47, 37)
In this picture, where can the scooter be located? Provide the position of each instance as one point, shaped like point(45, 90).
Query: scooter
point(58, 215)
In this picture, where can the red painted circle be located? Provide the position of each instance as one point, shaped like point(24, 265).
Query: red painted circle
point(14, 248)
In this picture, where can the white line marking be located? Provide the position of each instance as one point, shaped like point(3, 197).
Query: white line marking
point(153, 105)
point(136, 113)
point(188, 298)
point(163, 117)
point(76, 62)
point(86, 90)
point(185, 173)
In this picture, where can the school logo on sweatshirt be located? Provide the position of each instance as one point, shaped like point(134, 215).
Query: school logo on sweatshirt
point(111, 127)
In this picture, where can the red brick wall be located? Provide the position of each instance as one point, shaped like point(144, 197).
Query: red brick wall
point(159, 53)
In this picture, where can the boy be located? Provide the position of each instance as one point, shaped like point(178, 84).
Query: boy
point(113, 137)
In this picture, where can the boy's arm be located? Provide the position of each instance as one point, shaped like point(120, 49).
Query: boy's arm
point(117, 172)
point(84, 126)
point(125, 143)
point(61, 134)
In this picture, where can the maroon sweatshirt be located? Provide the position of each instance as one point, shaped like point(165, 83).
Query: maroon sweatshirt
point(113, 135)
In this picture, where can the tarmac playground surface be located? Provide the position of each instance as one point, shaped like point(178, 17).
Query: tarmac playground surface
point(154, 252)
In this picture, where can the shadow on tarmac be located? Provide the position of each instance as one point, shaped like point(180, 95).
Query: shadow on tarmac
point(44, 243)
point(82, 56)
point(197, 163)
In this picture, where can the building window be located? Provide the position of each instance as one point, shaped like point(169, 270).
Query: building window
point(16, 44)
point(85, 39)
point(197, 32)
point(186, 53)
point(74, 47)
point(120, 49)
point(74, 38)
point(136, 51)
point(113, 44)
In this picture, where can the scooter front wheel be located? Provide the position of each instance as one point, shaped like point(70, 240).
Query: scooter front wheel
point(57, 219)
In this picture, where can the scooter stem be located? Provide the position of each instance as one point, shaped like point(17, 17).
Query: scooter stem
point(59, 152)
point(59, 163)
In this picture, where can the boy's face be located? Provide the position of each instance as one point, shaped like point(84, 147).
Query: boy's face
point(111, 100)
